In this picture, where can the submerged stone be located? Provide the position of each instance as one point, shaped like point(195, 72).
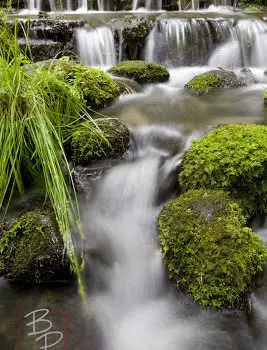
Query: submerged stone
point(141, 71)
point(32, 250)
point(208, 250)
point(213, 80)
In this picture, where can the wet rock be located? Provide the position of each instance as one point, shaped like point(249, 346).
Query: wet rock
point(48, 38)
point(208, 250)
point(130, 36)
point(213, 80)
point(246, 76)
point(141, 71)
point(101, 139)
point(126, 86)
point(32, 250)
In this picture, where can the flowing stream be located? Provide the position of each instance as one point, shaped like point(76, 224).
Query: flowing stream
point(131, 304)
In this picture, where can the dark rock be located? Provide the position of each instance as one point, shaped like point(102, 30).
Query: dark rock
point(32, 249)
point(130, 34)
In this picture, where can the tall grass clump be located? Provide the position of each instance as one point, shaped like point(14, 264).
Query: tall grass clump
point(37, 111)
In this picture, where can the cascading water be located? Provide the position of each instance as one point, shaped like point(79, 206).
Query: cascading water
point(149, 5)
point(218, 42)
point(96, 47)
point(247, 46)
point(180, 42)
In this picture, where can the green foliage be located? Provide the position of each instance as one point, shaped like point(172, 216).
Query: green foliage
point(31, 248)
point(37, 110)
point(110, 140)
point(141, 71)
point(93, 85)
point(207, 248)
point(232, 157)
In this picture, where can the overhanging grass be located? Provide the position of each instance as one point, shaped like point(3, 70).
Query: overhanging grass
point(37, 112)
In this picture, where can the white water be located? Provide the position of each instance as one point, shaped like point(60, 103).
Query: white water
point(96, 47)
point(216, 42)
point(149, 5)
point(247, 46)
point(179, 42)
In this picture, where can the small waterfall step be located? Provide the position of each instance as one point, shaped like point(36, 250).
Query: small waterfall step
point(96, 47)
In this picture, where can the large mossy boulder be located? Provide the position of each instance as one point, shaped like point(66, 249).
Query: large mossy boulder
point(213, 80)
point(208, 250)
point(109, 139)
point(232, 157)
point(93, 85)
point(32, 250)
point(141, 71)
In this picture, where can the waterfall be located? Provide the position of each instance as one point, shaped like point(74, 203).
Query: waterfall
point(247, 46)
point(180, 42)
point(217, 42)
point(35, 5)
point(83, 5)
point(96, 47)
point(149, 5)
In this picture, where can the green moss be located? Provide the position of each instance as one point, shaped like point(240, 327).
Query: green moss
point(208, 250)
point(93, 85)
point(202, 84)
point(31, 248)
point(141, 71)
point(111, 142)
point(265, 95)
point(232, 157)
point(215, 79)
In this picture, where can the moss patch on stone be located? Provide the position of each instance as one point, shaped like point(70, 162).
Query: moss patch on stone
point(232, 157)
point(141, 71)
point(93, 85)
point(31, 248)
point(111, 142)
point(208, 250)
point(216, 79)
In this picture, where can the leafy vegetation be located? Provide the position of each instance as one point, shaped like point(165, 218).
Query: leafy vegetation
point(37, 111)
point(141, 71)
point(31, 248)
point(93, 85)
point(88, 145)
point(208, 250)
point(234, 158)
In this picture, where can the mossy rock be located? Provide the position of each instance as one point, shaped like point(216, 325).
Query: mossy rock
point(141, 71)
point(208, 250)
point(213, 80)
point(31, 249)
point(93, 85)
point(110, 139)
point(232, 157)
point(130, 34)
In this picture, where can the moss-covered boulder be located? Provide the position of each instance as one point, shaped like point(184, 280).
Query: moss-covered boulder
point(141, 71)
point(31, 249)
point(93, 85)
point(208, 250)
point(232, 157)
point(110, 139)
point(213, 80)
